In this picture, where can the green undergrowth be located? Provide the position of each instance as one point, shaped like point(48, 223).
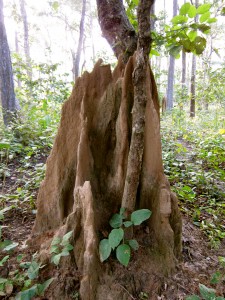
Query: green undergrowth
point(194, 161)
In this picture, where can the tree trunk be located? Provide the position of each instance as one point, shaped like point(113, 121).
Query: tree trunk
point(80, 42)
point(9, 102)
point(171, 70)
point(193, 72)
point(193, 77)
point(26, 38)
point(107, 155)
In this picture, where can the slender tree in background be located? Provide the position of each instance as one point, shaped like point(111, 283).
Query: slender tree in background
point(26, 38)
point(193, 78)
point(9, 102)
point(183, 72)
point(76, 67)
point(107, 155)
point(171, 70)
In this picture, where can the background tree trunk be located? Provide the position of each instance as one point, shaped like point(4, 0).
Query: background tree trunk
point(171, 70)
point(26, 38)
point(76, 66)
point(9, 102)
point(107, 154)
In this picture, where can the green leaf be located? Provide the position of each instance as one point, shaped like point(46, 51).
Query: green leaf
point(116, 221)
point(223, 11)
point(185, 8)
point(55, 5)
point(204, 17)
point(192, 11)
point(123, 254)
point(11, 246)
point(221, 260)
point(54, 249)
point(66, 238)
point(212, 20)
point(175, 51)
point(154, 52)
point(3, 280)
point(202, 9)
point(115, 237)
point(216, 278)
point(68, 247)
point(5, 258)
point(206, 292)
point(56, 259)
point(104, 249)
point(127, 223)
point(139, 216)
point(27, 294)
point(193, 297)
point(134, 244)
point(203, 28)
point(56, 241)
point(192, 35)
point(33, 270)
point(179, 19)
point(200, 44)
point(4, 145)
point(42, 287)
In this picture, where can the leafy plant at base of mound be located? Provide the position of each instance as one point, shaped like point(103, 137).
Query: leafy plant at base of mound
point(17, 279)
point(206, 294)
point(60, 247)
point(116, 239)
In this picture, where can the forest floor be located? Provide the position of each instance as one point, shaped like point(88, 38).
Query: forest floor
point(199, 261)
point(195, 168)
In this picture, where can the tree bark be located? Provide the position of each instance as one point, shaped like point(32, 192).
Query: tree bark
point(107, 154)
point(193, 76)
point(9, 102)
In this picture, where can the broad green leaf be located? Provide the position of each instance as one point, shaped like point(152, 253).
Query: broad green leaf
point(115, 237)
point(68, 247)
point(3, 280)
point(123, 254)
point(203, 28)
point(202, 9)
point(104, 249)
point(64, 253)
point(200, 44)
point(127, 223)
point(185, 8)
point(179, 19)
point(11, 246)
point(66, 238)
point(175, 51)
point(223, 11)
point(207, 293)
point(33, 270)
point(221, 260)
point(192, 35)
point(116, 221)
point(134, 244)
point(55, 5)
point(212, 20)
point(216, 278)
point(5, 258)
point(56, 241)
point(154, 52)
point(139, 216)
point(192, 12)
point(42, 287)
point(27, 294)
point(193, 297)
point(204, 17)
point(54, 249)
point(4, 145)
point(56, 259)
